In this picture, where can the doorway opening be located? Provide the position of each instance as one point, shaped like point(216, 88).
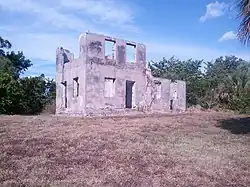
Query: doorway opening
point(65, 102)
point(129, 98)
point(171, 104)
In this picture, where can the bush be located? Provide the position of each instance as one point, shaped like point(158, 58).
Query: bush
point(50, 108)
point(241, 103)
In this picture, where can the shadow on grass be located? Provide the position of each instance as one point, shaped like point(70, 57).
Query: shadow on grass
point(236, 125)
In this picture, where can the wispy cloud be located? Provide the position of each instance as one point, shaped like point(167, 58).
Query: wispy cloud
point(59, 23)
point(105, 11)
point(61, 13)
point(230, 35)
point(214, 10)
point(45, 13)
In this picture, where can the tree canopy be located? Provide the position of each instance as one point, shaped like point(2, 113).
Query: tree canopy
point(28, 95)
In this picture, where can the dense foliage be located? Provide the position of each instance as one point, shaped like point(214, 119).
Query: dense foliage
point(223, 83)
point(28, 95)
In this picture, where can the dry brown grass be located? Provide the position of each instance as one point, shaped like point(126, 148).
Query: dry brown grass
point(196, 149)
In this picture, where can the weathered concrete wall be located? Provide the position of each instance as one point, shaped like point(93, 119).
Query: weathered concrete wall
point(98, 67)
point(181, 90)
point(67, 69)
point(163, 102)
point(178, 95)
point(91, 69)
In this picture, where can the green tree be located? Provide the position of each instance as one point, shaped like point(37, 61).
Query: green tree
point(189, 71)
point(225, 75)
point(19, 63)
point(224, 83)
point(33, 94)
point(4, 44)
point(27, 95)
point(236, 87)
point(5, 65)
point(223, 66)
point(10, 94)
point(244, 15)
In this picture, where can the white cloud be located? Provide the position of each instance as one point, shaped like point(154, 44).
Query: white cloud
point(230, 35)
point(214, 10)
point(61, 13)
point(105, 11)
point(46, 14)
point(38, 42)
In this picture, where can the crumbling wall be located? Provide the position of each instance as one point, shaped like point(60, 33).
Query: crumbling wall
point(178, 95)
point(99, 67)
point(149, 94)
point(172, 93)
point(93, 66)
point(150, 102)
point(181, 89)
point(69, 69)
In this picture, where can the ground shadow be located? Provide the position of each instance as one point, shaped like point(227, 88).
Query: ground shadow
point(236, 125)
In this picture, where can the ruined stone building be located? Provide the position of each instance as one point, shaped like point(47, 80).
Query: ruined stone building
point(105, 80)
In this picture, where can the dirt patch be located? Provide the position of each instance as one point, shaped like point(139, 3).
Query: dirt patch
point(194, 149)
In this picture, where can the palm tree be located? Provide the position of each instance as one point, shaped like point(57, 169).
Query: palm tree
point(244, 15)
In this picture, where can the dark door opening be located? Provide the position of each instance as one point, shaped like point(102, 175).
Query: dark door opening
point(65, 94)
point(129, 94)
point(171, 104)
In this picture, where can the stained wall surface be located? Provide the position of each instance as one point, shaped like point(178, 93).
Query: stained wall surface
point(102, 79)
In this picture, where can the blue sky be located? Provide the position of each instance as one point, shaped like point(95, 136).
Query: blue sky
point(200, 29)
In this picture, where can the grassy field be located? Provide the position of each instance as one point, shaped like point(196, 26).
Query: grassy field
point(196, 149)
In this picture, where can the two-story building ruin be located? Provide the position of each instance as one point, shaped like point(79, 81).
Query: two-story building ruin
point(99, 83)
